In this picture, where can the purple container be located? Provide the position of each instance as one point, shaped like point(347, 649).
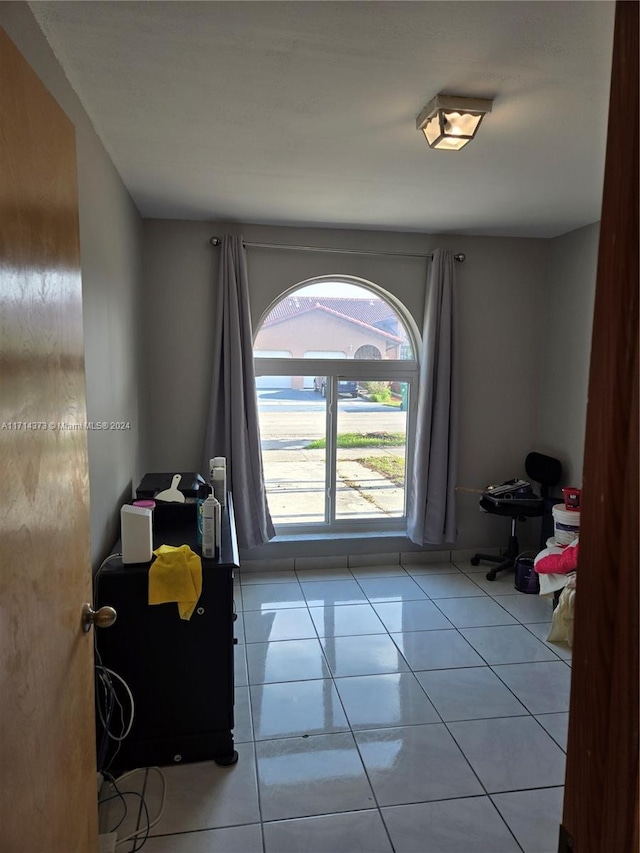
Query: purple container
point(526, 578)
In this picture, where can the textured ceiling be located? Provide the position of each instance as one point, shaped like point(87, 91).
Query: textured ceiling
point(303, 113)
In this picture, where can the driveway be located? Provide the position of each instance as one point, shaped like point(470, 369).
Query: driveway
point(295, 475)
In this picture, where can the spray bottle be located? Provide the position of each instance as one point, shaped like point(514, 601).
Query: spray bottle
point(211, 528)
point(203, 493)
point(218, 474)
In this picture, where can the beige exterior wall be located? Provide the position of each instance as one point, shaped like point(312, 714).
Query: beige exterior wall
point(319, 332)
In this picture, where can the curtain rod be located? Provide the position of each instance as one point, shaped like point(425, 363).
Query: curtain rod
point(215, 241)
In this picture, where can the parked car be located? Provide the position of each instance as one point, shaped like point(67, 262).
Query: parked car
point(345, 386)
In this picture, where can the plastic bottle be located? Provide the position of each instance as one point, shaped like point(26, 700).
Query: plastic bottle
point(203, 493)
point(219, 483)
point(216, 462)
point(217, 512)
point(211, 532)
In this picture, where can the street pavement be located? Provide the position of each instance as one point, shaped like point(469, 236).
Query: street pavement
point(295, 475)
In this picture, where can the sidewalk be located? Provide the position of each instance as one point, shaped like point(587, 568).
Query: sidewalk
point(295, 479)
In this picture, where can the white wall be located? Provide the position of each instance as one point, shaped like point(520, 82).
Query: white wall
point(110, 260)
point(525, 324)
point(569, 299)
point(501, 284)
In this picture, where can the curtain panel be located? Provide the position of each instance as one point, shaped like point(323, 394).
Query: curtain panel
point(431, 517)
point(232, 426)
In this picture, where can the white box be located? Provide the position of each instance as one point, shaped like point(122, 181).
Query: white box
point(136, 534)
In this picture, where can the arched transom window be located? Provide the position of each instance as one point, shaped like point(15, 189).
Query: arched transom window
point(335, 362)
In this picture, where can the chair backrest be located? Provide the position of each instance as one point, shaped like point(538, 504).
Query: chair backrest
point(544, 470)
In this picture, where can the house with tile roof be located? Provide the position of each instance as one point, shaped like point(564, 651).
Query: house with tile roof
point(331, 327)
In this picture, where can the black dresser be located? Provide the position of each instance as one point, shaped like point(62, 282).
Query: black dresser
point(180, 672)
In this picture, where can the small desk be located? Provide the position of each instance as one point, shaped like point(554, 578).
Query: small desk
point(180, 672)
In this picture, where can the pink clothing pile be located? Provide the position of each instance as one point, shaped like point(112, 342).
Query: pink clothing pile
point(557, 559)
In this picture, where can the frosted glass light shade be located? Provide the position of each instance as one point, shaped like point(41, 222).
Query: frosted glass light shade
point(449, 122)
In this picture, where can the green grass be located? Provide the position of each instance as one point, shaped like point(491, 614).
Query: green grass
point(391, 467)
point(368, 439)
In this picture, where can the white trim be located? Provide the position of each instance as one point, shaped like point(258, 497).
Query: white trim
point(414, 333)
point(348, 368)
point(363, 370)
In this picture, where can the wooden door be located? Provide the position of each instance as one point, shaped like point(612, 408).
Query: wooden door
point(601, 796)
point(47, 753)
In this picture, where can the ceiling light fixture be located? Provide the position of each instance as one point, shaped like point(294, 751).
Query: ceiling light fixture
point(449, 122)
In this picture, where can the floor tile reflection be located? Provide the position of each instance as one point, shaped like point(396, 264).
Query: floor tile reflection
point(543, 688)
point(272, 596)
point(351, 832)
point(399, 616)
point(391, 589)
point(448, 586)
point(397, 761)
point(286, 660)
point(380, 708)
point(469, 694)
point(346, 620)
point(436, 650)
point(533, 817)
point(471, 825)
point(204, 795)
point(293, 623)
point(324, 593)
point(311, 776)
point(373, 654)
point(373, 701)
point(507, 644)
point(511, 753)
point(297, 708)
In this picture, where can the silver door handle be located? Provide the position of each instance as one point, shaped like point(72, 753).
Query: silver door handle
point(102, 618)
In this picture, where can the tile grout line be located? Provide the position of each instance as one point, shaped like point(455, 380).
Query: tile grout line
point(352, 732)
point(364, 767)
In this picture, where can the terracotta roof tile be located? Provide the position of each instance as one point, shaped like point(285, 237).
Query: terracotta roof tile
point(373, 313)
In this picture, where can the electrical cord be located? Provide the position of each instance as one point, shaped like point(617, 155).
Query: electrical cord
point(117, 739)
point(108, 697)
point(122, 795)
point(110, 672)
point(97, 574)
point(149, 823)
point(111, 701)
point(105, 677)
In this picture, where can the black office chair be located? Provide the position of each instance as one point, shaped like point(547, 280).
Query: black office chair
point(541, 469)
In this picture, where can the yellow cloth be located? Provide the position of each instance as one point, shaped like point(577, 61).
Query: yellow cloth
point(176, 575)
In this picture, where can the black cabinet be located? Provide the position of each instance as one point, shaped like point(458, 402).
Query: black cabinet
point(180, 672)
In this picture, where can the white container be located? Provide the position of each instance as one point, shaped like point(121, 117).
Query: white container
point(216, 462)
point(136, 534)
point(219, 483)
point(211, 528)
point(566, 524)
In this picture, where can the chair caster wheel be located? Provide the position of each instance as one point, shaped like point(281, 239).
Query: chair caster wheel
point(475, 561)
point(490, 576)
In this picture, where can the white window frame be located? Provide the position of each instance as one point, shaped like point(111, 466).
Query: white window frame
point(392, 370)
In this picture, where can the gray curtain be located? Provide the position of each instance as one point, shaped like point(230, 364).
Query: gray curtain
point(432, 511)
point(232, 428)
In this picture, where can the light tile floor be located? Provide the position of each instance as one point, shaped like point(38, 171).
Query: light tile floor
point(379, 710)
